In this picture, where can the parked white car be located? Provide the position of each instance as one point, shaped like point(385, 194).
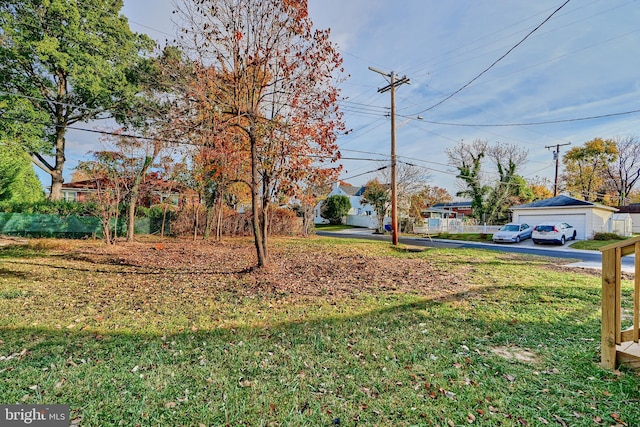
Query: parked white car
point(558, 232)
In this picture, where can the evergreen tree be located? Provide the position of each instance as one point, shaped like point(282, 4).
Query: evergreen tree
point(18, 181)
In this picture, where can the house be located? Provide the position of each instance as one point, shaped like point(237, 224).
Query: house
point(461, 209)
point(633, 210)
point(587, 218)
point(154, 191)
point(361, 214)
point(78, 191)
point(437, 220)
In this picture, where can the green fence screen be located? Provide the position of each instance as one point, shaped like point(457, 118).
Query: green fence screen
point(46, 225)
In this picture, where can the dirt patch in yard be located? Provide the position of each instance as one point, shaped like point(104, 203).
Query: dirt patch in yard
point(585, 270)
point(310, 272)
point(9, 240)
point(515, 353)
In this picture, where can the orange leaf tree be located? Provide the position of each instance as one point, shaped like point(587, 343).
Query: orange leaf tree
point(268, 74)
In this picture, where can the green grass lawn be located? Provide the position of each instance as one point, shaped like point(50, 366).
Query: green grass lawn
point(593, 245)
point(471, 237)
point(333, 227)
point(500, 340)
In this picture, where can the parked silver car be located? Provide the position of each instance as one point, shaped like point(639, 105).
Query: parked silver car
point(558, 232)
point(513, 233)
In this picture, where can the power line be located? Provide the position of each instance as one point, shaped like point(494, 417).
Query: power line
point(575, 22)
point(364, 173)
point(494, 63)
point(50, 101)
point(548, 122)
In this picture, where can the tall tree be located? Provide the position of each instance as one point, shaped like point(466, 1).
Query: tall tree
point(268, 73)
point(108, 170)
point(510, 188)
point(540, 188)
point(378, 196)
point(427, 197)
point(18, 181)
point(20, 124)
point(624, 172)
point(586, 168)
point(490, 201)
point(72, 61)
point(137, 156)
point(410, 180)
point(467, 158)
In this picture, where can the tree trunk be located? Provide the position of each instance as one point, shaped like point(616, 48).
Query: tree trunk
point(265, 225)
point(117, 216)
point(219, 221)
point(164, 218)
point(255, 204)
point(132, 218)
point(210, 216)
point(265, 220)
point(56, 173)
point(196, 222)
point(135, 191)
point(307, 215)
point(106, 230)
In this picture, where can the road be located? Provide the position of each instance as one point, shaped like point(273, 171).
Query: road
point(574, 257)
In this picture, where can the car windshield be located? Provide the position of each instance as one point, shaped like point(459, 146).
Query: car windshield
point(544, 228)
point(510, 227)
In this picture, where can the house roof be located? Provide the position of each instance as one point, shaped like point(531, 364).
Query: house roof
point(85, 184)
point(351, 190)
point(632, 208)
point(151, 182)
point(466, 204)
point(560, 202)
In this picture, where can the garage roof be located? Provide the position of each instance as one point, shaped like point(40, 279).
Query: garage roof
point(559, 201)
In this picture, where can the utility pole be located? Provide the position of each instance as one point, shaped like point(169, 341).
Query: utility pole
point(394, 186)
point(556, 156)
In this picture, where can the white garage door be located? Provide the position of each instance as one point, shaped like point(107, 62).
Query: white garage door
point(579, 221)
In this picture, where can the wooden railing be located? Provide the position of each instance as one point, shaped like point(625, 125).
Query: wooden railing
point(619, 346)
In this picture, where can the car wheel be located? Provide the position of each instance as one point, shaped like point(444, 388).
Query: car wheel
point(562, 240)
point(535, 242)
point(517, 239)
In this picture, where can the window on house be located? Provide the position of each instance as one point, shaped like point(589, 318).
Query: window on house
point(70, 196)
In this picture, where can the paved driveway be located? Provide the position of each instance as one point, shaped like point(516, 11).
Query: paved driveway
point(574, 257)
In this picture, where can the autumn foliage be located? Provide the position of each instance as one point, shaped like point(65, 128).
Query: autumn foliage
point(263, 87)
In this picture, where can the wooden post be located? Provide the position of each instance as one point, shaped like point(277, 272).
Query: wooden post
point(610, 274)
point(636, 295)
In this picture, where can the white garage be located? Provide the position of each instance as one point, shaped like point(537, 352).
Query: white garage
point(587, 218)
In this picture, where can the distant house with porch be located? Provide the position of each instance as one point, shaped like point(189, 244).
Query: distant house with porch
point(361, 213)
point(460, 209)
point(443, 217)
point(154, 190)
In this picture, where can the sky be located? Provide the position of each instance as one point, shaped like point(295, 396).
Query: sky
point(582, 62)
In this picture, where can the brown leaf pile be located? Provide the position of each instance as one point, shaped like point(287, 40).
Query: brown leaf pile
point(308, 271)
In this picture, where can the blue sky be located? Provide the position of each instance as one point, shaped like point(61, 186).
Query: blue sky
point(583, 62)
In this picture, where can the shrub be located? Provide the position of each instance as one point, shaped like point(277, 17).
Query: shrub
point(282, 222)
point(334, 208)
point(607, 236)
point(58, 207)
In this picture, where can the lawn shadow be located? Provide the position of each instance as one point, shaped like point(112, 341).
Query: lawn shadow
point(317, 369)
